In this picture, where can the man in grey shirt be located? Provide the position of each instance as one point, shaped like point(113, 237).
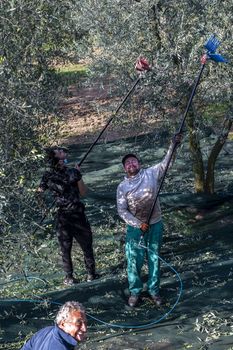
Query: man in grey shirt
point(135, 197)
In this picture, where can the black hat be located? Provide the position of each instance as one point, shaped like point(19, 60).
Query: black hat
point(128, 156)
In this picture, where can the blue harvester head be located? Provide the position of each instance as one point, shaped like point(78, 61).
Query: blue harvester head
point(211, 46)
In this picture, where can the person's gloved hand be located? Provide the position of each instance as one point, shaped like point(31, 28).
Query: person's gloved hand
point(79, 175)
point(177, 138)
point(144, 227)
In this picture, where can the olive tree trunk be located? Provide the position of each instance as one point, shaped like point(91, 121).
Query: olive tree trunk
point(195, 149)
point(204, 179)
point(209, 181)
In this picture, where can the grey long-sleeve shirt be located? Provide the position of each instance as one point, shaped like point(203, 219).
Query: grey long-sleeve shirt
point(135, 195)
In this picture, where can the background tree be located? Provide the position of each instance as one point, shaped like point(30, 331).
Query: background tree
point(171, 35)
point(33, 35)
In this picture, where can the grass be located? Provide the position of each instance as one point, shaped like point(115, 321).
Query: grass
point(71, 73)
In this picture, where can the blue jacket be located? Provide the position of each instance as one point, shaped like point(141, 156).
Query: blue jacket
point(50, 338)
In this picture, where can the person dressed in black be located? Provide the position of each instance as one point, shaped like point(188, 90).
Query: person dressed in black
point(66, 185)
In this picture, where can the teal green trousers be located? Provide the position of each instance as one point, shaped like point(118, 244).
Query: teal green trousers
point(135, 258)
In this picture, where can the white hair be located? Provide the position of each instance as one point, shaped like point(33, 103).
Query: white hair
point(66, 309)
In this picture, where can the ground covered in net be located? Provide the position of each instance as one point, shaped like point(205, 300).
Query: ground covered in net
point(197, 248)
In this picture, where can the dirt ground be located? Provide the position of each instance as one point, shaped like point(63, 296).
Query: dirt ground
point(88, 108)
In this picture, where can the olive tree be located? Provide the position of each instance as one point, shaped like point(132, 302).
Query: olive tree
point(33, 35)
point(171, 35)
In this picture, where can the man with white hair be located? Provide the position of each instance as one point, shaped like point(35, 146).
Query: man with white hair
point(69, 329)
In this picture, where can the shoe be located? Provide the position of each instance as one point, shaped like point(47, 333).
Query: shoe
point(133, 300)
point(70, 281)
point(92, 277)
point(157, 300)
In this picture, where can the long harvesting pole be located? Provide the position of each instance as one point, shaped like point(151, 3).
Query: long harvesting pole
point(211, 47)
point(110, 120)
point(142, 66)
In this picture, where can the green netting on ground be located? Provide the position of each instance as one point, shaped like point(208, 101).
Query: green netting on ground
point(197, 243)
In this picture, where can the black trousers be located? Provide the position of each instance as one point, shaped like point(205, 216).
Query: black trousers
point(70, 225)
